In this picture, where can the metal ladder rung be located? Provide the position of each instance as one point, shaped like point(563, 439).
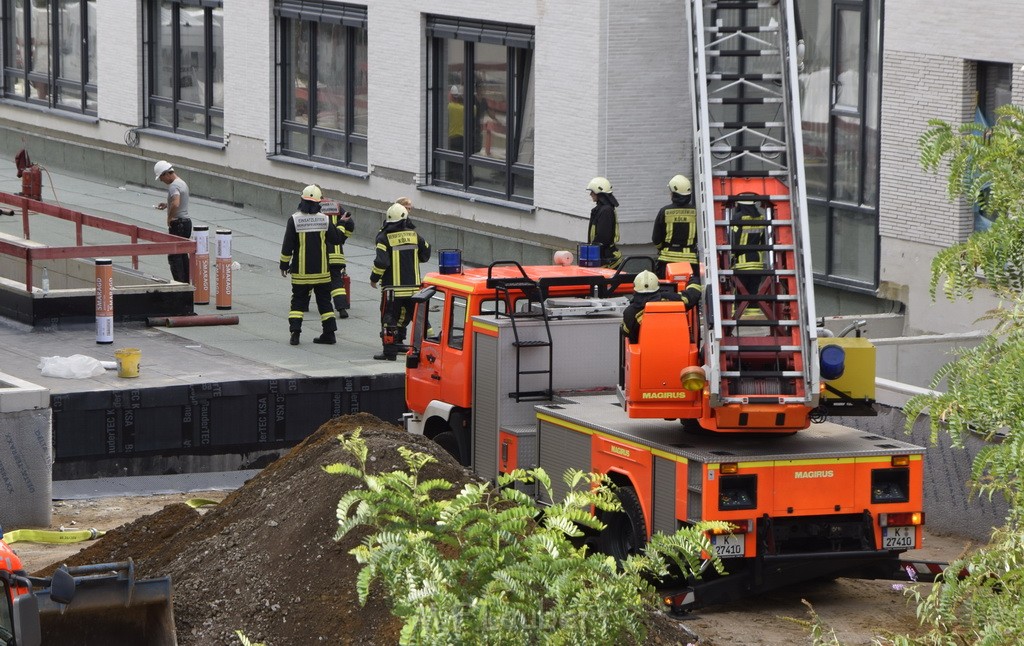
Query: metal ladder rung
point(754, 247)
point(753, 100)
point(530, 395)
point(531, 344)
point(731, 298)
point(761, 323)
point(534, 372)
point(756, 149)
point(740, 53)
point(761, 348)
point(756, 272)
point(744, 77)
point(742, 4)
point(751, 125)
point(753, 198)
point(761, 374)
point(744, 29)
point(751, 222)
point(750, 173)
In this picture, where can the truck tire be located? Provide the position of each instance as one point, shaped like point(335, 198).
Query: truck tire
point(449, 443)
point(626, 531)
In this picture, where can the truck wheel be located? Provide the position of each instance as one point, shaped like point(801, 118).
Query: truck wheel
point(626, 531)
point(449, 443)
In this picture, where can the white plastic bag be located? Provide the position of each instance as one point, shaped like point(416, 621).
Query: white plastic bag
point(77, 366)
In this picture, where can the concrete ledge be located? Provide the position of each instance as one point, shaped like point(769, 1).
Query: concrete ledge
point(18, 395)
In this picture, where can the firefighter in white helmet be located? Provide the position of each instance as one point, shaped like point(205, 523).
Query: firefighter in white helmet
point(400, 250)
point(646, 288)
point(308, 237)
point(603, 229)
point(675, 228)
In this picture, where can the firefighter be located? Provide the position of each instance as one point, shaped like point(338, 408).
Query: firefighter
point(675, 228)
point(400, 250)
point(342, 220)
point(604, 222)
point(307, 238)
point(646, 288)
point(748, 260)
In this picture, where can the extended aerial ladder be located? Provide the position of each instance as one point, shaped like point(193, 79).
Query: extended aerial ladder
point(758, 321)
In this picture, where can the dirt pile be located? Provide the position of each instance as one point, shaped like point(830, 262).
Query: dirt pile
point(264, 561)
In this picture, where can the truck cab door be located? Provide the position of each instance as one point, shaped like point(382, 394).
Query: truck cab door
point(423, 363)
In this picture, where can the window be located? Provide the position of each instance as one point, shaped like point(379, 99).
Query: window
point(186, 67)
point(323, 46)
point(457, 326)
point(840, 90)
point(435, 316)
point(481, 79)
point(993, 91)
point(57, 39)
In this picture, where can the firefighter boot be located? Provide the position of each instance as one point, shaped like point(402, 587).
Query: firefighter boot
point(326, 337)
point(388, 354)
point(295, 338)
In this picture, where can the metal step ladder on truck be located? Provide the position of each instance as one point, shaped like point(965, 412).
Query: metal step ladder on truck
point(708, 416)
point(89, 605)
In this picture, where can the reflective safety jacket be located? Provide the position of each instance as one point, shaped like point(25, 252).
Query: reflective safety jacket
point(400, 250)
point(307, 237)
point(675, 231)
point(747, 235)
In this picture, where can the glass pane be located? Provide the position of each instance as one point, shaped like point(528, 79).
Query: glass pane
point(161, 116)
point(522, 186)
point(435, 317)
point(993, 88)
point(817, 218)
point(39, 56)
point(359, 106)
point(217, 57)
point(853, 245)
point(191, 121)
point(162, 53)
point(846, 161)
point(872, 107)
point(191, 26)
point(490, 101)
point(848, 58)
point(216, 126)
point(69, 53)
point(14, 54)
point(457, 327)
point(295, 82)
point(524, 120)
point(90, 19)
point(329, 147)
point(296, 142)
point(489, 179)
point(330, 77)
point(358, 153)
point(814, 74)
point(454, 119)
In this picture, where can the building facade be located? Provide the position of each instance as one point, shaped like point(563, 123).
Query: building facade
point(493, 116)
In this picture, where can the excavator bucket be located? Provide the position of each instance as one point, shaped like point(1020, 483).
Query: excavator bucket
point(105, 604)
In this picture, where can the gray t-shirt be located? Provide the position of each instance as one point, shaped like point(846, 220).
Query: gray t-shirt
point(180, 188)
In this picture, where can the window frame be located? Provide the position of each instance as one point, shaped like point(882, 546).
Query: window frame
point(86, 87)
point(353, 19)
point(174, 103)
point(519, 43)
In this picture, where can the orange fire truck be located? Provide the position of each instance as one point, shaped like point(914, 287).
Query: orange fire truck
point(715, 413)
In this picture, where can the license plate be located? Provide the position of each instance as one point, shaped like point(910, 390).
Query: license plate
point(899, 538)
point(729, 545)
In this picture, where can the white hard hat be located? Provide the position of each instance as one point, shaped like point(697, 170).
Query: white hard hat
point(680, 185)
point(645, 282)
point(397, 212)
point(455, 90)
point(161, 167)
point(599, 185)
point(312, 193)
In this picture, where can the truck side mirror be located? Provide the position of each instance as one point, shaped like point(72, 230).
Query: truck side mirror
point(27, 631)
point(62, 586)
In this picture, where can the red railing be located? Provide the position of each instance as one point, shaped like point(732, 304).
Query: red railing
point(144, 242)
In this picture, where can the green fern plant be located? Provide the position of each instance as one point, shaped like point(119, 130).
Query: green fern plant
point(488, 565)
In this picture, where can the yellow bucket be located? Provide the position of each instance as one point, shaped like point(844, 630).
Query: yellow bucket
point(128, 362)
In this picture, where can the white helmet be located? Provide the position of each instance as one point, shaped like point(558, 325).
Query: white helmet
point(680, 185)
point(397, 212)
point(599, 185)
point(645, 282)
point(161, 167)
point(312, 193)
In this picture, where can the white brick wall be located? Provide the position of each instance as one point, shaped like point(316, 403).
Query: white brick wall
point(249, 69)
point(119, 68)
